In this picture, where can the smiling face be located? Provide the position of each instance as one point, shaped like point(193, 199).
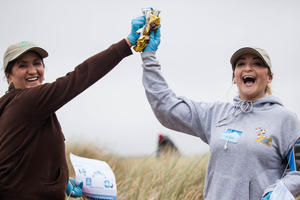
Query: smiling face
point(252, 77)
point(27, 72)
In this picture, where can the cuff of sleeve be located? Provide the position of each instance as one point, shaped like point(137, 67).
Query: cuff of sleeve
point(123, 48)
point(291, 181)
point(149, 59)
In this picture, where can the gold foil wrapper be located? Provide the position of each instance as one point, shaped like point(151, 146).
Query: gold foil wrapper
point(152, 24)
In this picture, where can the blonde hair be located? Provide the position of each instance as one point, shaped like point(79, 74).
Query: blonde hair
point(268, 89)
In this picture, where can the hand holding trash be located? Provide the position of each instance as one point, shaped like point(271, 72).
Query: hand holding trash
point(136, 24)
point(154, 40)
point(73, 189)
point(98, 179)
point(152, 23)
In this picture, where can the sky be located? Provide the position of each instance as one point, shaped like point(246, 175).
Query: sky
point(198, 39)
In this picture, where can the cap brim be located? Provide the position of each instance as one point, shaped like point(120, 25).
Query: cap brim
point(42, 52)
point(14, 51)
point(243, 51)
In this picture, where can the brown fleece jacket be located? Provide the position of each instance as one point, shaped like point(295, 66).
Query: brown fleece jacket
point(32, 151)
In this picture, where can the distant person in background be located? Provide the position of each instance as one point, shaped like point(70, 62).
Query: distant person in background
point(248, 139)
point(32, 150)
point(166, 146)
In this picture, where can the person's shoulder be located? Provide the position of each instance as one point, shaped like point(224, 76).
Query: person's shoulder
point(21, 96)
point(211, 104)
point(8, 98)
point(276, 105)
point(221, 104)
point(10, 94)
point(217, 106)
point(286, 115)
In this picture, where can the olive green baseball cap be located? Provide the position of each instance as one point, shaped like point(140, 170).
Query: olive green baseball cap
point(16, 50)
point(251, 50)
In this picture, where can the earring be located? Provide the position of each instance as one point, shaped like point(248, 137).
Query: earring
point(233, 78)
point(11, 86)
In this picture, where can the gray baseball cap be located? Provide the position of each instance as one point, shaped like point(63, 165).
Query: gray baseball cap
point(16, 50)
point(251, 50)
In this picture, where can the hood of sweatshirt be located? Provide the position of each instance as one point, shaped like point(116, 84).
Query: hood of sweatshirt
point(242, 106)
point(263, 103)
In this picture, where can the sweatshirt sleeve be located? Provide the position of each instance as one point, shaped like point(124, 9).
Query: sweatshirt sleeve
point(292, 182)
point(49, 97)
point(290, 137)
point(292, 178)
point(177, 113)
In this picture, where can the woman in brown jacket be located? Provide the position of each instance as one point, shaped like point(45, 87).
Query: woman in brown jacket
point(32, 150)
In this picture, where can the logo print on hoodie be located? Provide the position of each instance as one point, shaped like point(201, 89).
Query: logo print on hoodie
point(263, 137)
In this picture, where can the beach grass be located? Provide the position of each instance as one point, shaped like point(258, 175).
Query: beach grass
point(168, 177)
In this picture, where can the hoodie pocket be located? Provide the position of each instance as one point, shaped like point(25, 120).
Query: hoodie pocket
point(54, 178)
point(223, 187)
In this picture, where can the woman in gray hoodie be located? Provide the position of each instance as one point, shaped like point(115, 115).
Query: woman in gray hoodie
point(248, 139)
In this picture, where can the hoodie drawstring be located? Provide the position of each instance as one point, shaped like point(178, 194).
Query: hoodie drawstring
point(241, 107)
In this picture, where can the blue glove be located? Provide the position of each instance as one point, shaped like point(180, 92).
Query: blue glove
point(267, 196)
point(136, 24)
point(73, 189)
point(154, 40)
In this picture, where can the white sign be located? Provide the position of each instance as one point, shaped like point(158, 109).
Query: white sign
point(98, 179)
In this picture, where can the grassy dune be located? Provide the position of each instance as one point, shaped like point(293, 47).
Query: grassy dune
point(149, 178)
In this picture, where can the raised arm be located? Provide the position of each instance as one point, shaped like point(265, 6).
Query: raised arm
point(47, 98)
point(177, 113)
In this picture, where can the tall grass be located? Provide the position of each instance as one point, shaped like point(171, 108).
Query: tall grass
point(169, 177)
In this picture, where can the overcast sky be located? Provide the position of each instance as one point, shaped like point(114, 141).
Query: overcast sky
point(198, 39)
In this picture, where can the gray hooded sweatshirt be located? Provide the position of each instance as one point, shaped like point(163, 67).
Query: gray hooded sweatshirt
point(248, 141)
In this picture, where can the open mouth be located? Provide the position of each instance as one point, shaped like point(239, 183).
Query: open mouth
point(249, 80)
point(32, 79)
